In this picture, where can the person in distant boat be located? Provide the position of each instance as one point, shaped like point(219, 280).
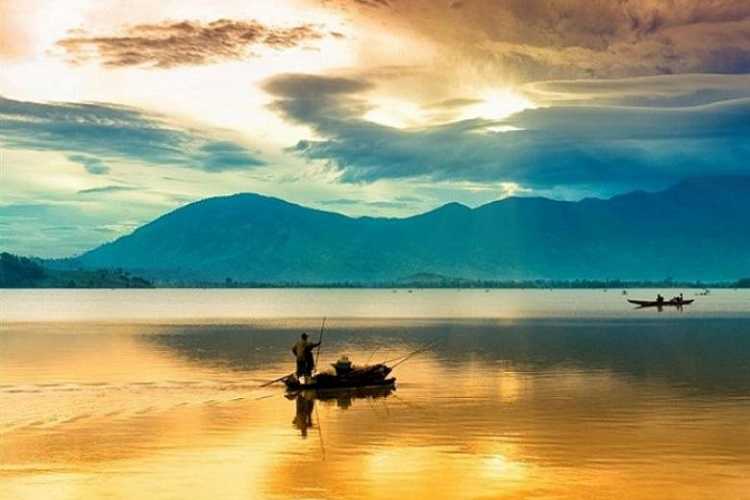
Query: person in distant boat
point(659, 299)
point(305, 361)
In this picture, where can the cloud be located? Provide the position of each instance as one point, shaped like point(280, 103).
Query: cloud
point(653, 91)
point(14, 38)
point(350, 202)
point(373, 3)
point(94, 166)
point(107, 189)
point(319, 98)
point(45, 229)
point(455, 103)
point(186, 43)
point(218, 156)
point(96, 134)
point(532, 40)
point(611, 147)
point(55, 229)
point(408, 199)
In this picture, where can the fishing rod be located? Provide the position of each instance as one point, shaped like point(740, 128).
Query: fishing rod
point(403, 358)
point(377, 348)
point(408, 357)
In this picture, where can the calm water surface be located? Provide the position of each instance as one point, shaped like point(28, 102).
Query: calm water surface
point(525, 394)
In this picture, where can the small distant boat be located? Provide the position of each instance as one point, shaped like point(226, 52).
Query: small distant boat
point(656, 303)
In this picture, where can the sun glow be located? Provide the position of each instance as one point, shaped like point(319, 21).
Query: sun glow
point(497, 104)
point(395, 113)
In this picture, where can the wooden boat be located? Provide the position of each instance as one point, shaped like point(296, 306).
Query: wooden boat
point(655, 303)
point(293, 386)
point(350, 393)
point(362, 376)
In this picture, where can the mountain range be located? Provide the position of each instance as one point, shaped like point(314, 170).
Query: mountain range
point(698, 229)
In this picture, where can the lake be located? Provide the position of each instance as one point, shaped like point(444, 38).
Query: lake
point(553, 394)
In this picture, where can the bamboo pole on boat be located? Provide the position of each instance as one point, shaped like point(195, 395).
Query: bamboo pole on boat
point(320, 341)
point(275, 380)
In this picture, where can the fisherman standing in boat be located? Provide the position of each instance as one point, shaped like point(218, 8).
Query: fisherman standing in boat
point(305, 360)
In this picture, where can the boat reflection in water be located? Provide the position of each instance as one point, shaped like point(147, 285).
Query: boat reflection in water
point(343, 398)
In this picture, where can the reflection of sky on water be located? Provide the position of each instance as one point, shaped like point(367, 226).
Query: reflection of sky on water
point(512, 409)
point(243, 305)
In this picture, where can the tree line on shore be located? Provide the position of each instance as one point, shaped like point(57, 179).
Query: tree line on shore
point(24, 272)
point(426, 280)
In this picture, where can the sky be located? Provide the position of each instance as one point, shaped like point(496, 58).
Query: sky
point(113, 112)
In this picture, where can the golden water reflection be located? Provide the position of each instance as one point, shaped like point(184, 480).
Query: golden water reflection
point(176, 412)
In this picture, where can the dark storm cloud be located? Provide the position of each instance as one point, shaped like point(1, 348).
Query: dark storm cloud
point(95, 134)
point(186, 43)
point(602, 146)
point(543, 39)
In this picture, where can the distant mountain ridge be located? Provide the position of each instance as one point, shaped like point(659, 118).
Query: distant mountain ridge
point(697, 229)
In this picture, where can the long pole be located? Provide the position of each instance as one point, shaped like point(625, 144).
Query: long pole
point(320, 341)
point(275, 380)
